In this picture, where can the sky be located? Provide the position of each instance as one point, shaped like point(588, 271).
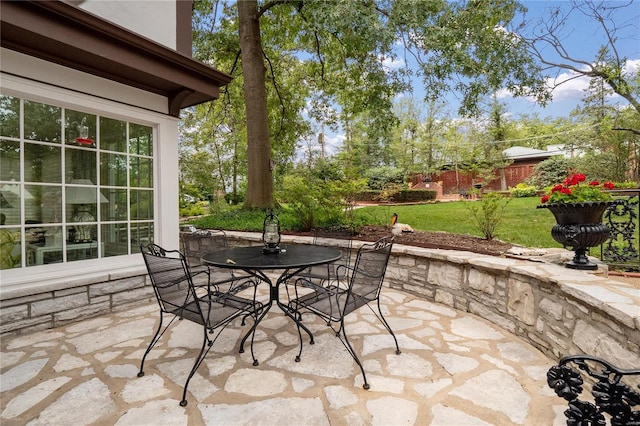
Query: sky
point(582, 39)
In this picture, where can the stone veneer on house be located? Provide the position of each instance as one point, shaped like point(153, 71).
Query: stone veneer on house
point(558, 310)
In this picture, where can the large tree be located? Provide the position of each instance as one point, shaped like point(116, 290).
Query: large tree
point(340, 49)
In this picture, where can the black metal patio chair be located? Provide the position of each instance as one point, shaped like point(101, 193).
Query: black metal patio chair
point(325, 274)
point(335, 301)
point(208, 306)
point(215, 239)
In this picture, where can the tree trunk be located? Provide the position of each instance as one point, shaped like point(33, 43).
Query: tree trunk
point(259, 174)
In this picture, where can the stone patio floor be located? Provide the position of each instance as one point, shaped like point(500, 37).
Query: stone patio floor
point(455, 369)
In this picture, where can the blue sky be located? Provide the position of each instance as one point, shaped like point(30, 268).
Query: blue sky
point(582, 39)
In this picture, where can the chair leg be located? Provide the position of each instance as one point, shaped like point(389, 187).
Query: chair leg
point(353, 354)
point(297, 358)
point(204, 350)
point(252, 332)
point(153, 342)
point(388, 327)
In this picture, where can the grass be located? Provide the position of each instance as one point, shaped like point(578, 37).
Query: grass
point(522, 224)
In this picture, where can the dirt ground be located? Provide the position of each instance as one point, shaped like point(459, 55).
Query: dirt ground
point(441, 240)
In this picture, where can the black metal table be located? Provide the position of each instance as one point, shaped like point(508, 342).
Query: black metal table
point(292, 260)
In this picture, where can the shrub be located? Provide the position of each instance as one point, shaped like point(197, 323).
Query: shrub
point(522, 190)
point(192, 210)
point(488, 213)
point(383, 176)
point(550, 171)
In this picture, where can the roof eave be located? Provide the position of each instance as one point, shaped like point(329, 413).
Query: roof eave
point(64, 34)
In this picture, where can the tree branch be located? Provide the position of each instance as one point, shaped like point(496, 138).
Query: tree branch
point(623, 129)
point(273, 3)
point(275, 86)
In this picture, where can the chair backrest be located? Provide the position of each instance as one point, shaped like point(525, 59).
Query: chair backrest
point(368, 272)
point(170, 278)
point(337, 232)
point(209, 239)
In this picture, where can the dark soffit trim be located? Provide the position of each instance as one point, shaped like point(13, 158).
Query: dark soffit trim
point(64, 34)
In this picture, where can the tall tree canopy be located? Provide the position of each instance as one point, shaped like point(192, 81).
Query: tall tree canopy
point(336, 52)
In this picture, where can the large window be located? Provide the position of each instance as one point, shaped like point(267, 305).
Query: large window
point(74, 185)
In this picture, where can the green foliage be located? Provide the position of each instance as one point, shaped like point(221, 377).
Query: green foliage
point(381, 177)
point(550, 171)
point(400, 196)
point(487, 213)
point(9, 241)
point(313, 201)
point(523, 190)
point(601, 166)
point(190, 210)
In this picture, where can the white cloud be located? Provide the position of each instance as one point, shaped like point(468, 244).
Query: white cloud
point(570, 85)
point(632, 67)
point(391, 63)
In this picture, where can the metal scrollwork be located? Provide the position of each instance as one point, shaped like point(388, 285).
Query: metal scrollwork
point(622, 219)
point(610, 394)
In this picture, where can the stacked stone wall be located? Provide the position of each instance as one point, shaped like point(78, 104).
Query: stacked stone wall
point(57, 303)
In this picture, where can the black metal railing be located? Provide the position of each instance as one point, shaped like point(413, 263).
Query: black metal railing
point(621, 250)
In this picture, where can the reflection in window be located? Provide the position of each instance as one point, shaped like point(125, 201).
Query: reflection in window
point(42, 122)
point(77, 186)
point(42, 163)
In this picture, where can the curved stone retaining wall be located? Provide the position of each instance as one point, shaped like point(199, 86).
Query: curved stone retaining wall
point(558, 310)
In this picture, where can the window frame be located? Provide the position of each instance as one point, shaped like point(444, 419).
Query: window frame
point(163, 127)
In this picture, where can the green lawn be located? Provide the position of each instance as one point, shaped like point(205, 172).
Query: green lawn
point(523, 223)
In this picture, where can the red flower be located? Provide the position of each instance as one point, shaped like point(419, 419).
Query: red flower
point(594, 183)
point(558, 187)
point(566, 191)
point(580, 177)
point(608, 185)
point(544, 199)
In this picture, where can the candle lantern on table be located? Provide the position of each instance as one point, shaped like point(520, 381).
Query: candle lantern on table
point(271, 234)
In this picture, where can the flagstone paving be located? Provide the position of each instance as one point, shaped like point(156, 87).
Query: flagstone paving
point(455, 369)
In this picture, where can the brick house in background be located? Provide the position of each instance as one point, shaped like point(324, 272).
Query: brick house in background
point(524, 161)
point(90, 98)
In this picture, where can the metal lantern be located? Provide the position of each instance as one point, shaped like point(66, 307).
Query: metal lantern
point(271, 234)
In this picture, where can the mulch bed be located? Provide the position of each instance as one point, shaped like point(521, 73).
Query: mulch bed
point(439, 240)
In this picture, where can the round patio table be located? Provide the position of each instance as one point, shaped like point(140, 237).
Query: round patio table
point(292, 259)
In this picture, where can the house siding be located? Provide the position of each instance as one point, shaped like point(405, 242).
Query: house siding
point(155, 20)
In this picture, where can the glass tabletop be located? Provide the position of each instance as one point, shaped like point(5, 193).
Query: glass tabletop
point(292, 256)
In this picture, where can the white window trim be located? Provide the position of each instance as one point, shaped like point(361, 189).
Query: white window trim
point(165, 166)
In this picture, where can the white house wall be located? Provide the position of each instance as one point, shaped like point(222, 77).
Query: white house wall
point(153, 19)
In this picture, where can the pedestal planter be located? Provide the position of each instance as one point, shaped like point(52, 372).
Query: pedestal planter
point(579, 226)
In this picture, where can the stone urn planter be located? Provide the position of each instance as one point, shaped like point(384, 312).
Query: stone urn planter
point(579, 226)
